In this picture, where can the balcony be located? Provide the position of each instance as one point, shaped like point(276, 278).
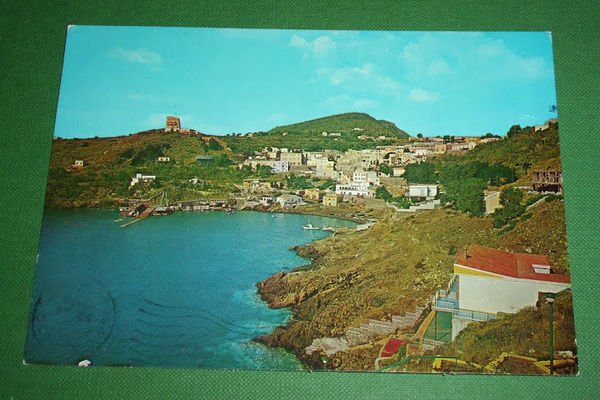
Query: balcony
point(445, 300)
point(473, 315)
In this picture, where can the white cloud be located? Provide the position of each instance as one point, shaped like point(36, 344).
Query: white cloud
point(527, 117)
point(476, 56)
point(438, 67)
point(322, 45)
point(422, 95)
point(344, 102)
point(365, 78)
point(339, 76)
point(140, 56)
point(299, 41)
point(318, 47)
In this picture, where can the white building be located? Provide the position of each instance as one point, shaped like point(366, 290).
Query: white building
point(422, 152)
point(422, 192)
point(360, 189)
point(265, 200)
point(164, 159)
point(487, 281)
point(369, 177)
point(314, 157)
point(289, 200)
point(278, 167)
point(398, 171)
point(141, 178)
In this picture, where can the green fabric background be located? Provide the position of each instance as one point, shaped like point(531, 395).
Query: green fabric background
point(32, 35)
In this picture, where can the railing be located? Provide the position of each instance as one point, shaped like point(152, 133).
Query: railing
point(473, 315)
point(445, 305)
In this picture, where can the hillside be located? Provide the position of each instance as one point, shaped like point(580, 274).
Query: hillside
point(524, 151)
point(358, 123)
point(309, 135)
point(524, 333)
point(388, 270)
point(111, 162)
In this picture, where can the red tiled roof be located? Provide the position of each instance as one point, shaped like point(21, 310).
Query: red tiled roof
point(391, 347)
point(516, 265)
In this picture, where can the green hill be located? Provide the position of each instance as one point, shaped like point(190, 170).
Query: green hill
point(350, 123)
point(523, 151)
point(309, 135)
point(110, 163)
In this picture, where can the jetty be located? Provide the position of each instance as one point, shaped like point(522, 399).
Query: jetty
point(144, 214)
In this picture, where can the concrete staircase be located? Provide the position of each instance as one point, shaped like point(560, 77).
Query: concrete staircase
point(364, 333)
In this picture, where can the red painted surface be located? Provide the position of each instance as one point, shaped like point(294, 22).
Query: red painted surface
point(391, 347)
point(517, 265)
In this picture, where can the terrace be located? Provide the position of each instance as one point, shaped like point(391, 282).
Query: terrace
point(446, 300)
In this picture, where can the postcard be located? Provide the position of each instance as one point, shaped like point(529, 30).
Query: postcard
point(305, 200)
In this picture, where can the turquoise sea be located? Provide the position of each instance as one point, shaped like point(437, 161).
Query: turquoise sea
point(175, 291)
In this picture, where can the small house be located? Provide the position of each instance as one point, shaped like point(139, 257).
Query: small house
point(139, 178)
point(164, 159)
point(78, 164)
point(289, 200)
point(312, 194)
point(330, 200)
point(422, 192)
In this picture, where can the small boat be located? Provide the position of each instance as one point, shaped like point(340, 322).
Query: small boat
point(327, 228)
point(310, 227)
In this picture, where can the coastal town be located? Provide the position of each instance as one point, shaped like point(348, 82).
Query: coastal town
point(349, 177)
point(377, 186)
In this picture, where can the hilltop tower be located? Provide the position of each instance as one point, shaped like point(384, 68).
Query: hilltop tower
point(173, 124)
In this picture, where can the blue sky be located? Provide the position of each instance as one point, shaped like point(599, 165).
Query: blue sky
point(121, 80)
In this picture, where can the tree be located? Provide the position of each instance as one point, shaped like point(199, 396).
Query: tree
point(264, 171)
point(512, 207)
point(420, 135)
point(420, 173)
point(214, 145)
point(297, 182)
point(329, 183)
point(514, 130)
point(386, 169)
point(382, 193)
point(470, 196)
point(466, 195)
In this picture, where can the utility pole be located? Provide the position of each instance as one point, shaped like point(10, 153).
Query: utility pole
point(551, 298)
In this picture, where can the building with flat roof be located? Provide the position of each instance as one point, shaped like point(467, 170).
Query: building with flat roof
point(330, 200)
point(487, 281)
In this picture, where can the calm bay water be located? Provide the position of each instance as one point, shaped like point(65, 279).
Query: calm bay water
point(176, 291)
